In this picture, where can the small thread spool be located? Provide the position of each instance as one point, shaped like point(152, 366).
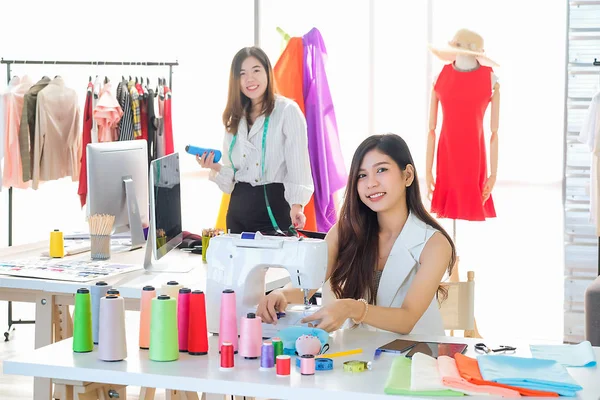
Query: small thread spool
point(164, 344)
point(277, 347)
point(98, 291)
point(283, 365)
point(82, 322)
point(227, 356)
point(148, 293)
point(183, 317)
point(307, 364)
point(267, 356)
point(113, 345)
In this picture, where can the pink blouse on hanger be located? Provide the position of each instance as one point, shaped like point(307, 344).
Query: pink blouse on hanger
point(107, 114)
point(13, 107)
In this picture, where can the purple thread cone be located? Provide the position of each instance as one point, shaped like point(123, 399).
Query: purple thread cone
point(267, 355)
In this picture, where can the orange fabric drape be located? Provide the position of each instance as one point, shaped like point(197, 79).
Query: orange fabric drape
point(288, 83)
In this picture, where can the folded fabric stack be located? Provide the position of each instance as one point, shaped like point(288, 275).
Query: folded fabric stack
point(400, 381)
point(569, 355)
point(496, 375)
point(530, 373)
point(468, 368)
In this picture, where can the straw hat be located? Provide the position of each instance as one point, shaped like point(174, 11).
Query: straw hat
point(464, 42)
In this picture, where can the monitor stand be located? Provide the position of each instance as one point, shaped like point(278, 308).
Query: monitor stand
point(133, 210)
point(152, 265)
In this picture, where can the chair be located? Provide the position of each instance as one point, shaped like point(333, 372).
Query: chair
point(458, 310)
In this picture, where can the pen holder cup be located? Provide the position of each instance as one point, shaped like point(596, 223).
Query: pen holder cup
point(205, 243)
point(100, 247)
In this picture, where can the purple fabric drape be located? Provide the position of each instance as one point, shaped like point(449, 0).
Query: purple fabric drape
point(328, 168)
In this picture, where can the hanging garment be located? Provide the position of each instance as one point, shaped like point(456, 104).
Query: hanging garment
point(135, 109)
point(126, 123)
point(143, 111)
point(168, 122)
point(86, 138)
point(95, 98)
point(461, 166)
point(57, 143)
point(289, 83)
point(14, 99)
point(27, 127)
point(151, 125)
point(589, 135)
point(159, 141)
point(2, 133)
point(327, 162)
point(107, 114)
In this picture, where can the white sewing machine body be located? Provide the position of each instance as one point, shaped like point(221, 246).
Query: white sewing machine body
point(241, 264)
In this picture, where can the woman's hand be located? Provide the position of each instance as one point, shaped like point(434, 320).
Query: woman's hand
point(206, 161)
point(269, 306)
point(333, 316)
point(297, 216)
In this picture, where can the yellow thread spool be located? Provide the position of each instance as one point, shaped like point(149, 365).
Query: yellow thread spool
point(57, 244)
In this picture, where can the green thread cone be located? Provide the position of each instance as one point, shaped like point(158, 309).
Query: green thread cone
point(164, 337)
point(82, 322)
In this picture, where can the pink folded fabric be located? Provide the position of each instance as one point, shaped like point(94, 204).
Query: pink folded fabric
point(451, 378)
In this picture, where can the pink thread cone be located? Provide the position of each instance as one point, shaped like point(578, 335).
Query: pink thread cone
point(111, 336)
point(250, 336)
point(228, 320)
point(183, 317)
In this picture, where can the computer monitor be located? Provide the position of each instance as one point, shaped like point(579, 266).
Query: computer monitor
point(117, 178)
point(165, 232)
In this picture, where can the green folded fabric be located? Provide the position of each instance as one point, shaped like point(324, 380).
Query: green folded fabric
point(398, 381)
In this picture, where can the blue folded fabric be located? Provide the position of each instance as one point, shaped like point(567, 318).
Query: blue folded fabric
point(529, 373)
point(569, 355)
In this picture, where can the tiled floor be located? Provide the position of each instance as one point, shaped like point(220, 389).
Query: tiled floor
point(518, 264)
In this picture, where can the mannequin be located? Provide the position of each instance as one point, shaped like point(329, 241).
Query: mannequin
point(465, 87)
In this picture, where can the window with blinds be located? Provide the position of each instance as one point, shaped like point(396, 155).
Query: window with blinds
point(581, 243)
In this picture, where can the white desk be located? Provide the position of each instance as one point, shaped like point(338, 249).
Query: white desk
point(202, 374)
point(47, 293)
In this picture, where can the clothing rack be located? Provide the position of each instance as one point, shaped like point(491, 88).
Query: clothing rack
point(9, 63)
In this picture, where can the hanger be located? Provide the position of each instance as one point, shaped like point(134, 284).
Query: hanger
point(90, 80)
point(284, 34)
point(106, 80)
point(130, 77)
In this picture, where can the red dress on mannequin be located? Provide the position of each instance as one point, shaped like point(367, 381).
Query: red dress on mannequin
point(461, 168)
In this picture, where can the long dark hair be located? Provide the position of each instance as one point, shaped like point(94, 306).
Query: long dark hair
point(358, 228)
point(238, 104)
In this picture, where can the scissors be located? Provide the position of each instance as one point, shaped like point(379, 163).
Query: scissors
point(482, 348)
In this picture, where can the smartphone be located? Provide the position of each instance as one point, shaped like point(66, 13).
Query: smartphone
point(398, 346)
point(437, 349)
point(312, 234)
point(193, 150)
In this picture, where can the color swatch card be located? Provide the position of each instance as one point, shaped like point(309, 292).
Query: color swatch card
point(64, 270)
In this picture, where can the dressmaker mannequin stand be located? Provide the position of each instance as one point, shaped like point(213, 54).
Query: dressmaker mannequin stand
point(464, 63)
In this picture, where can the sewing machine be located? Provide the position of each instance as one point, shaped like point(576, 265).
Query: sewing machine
point(240, 262)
